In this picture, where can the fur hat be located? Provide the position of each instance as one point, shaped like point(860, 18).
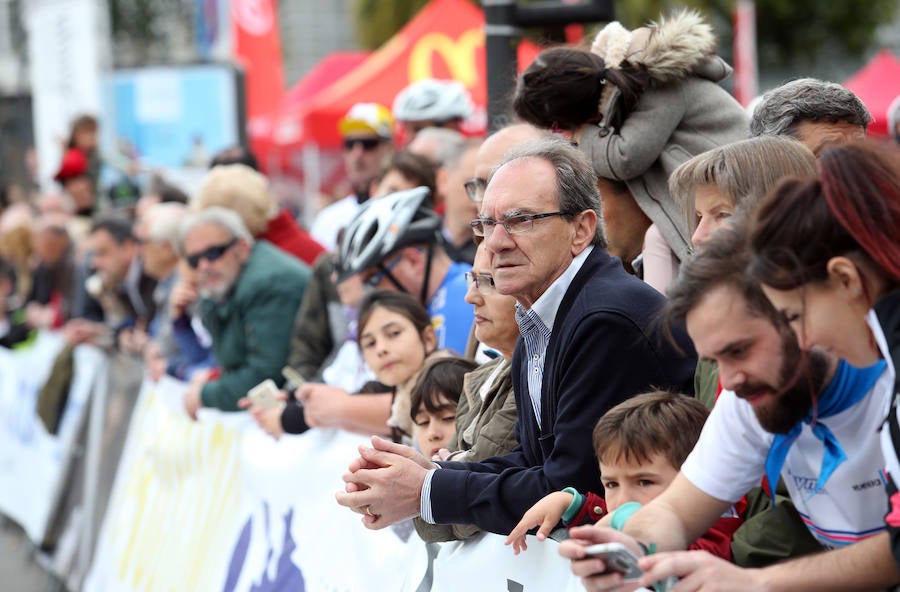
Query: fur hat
point(669, 49)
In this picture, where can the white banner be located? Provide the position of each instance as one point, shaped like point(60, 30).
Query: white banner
point(33, 463)
point(485, 563)
point(218, 505)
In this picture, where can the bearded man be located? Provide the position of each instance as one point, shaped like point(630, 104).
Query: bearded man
point(249, 295)
point(806, 416)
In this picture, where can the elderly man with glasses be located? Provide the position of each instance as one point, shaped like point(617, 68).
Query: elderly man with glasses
point(590, 338)
point(249, 295)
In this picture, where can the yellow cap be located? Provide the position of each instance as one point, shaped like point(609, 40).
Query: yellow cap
point(367, 118)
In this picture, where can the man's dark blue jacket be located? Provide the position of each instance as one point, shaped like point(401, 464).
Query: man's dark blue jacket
point(608, 344)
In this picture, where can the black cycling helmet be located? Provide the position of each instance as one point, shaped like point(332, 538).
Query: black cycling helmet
point(385, 225)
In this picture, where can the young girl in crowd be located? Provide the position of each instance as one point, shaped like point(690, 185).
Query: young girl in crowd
point(827, 253)
point(395, 337)
point(638, 104)
point(435, 397)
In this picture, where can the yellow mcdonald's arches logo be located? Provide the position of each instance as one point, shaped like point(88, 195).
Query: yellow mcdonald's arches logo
point(458, 54)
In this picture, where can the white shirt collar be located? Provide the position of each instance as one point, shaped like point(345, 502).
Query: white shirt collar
point(547, 305)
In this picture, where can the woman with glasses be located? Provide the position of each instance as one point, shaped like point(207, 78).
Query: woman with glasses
point(486, 415)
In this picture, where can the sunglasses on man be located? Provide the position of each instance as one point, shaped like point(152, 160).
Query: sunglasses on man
point(368, 144)
point(211, 254)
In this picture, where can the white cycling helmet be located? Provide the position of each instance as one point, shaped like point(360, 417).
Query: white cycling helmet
point(433, 100)
point(385, 225)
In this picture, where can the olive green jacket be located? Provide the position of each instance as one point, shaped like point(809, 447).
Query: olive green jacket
point(251, 330)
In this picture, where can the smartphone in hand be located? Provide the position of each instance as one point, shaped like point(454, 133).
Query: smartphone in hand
point(618, 558)
point(265, 395)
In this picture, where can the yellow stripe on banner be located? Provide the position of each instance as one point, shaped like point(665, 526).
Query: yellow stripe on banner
point(180, 492)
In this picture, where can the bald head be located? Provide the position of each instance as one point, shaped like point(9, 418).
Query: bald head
point(492, 152)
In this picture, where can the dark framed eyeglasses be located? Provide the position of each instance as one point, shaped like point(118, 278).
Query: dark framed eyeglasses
point(376, 278)
point(483, 282)
point(483, 227)
point(475, 189)
point(213, 253)
point(368, 144)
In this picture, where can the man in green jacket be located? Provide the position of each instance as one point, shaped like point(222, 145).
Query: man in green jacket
point(249, 295)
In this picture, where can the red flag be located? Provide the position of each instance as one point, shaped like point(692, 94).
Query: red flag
point(257, 46)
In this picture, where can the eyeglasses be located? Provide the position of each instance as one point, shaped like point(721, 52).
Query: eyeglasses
point(484, 282)
point(375, 279)
point(475, 188)
point(368, 144)
point(213, 253)
point(483, 227)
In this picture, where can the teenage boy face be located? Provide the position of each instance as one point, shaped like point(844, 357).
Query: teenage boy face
point(628, 480)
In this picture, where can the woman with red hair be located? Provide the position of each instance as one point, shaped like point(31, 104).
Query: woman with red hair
point(827, 253)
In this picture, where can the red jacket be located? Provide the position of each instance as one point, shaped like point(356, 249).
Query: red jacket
point(716, 540)
point(284, 232)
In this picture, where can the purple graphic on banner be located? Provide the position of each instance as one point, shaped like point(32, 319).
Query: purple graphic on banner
point(287, 575)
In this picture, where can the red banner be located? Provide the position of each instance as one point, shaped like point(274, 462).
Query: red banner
point(257, 47)
point(445, 40)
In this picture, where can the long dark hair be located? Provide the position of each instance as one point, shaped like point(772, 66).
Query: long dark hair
point(562, 88)
point(398, 302)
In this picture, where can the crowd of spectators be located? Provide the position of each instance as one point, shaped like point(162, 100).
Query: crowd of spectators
point(636, 315)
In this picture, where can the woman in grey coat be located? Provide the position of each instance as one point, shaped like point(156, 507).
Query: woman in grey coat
point(639, 104)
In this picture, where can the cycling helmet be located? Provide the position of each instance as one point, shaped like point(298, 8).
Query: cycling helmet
point(367, 118)
point(433, 100)
point(383, 226)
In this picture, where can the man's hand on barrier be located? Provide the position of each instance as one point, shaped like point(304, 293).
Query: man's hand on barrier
point(385, 487)
point(409, 452)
